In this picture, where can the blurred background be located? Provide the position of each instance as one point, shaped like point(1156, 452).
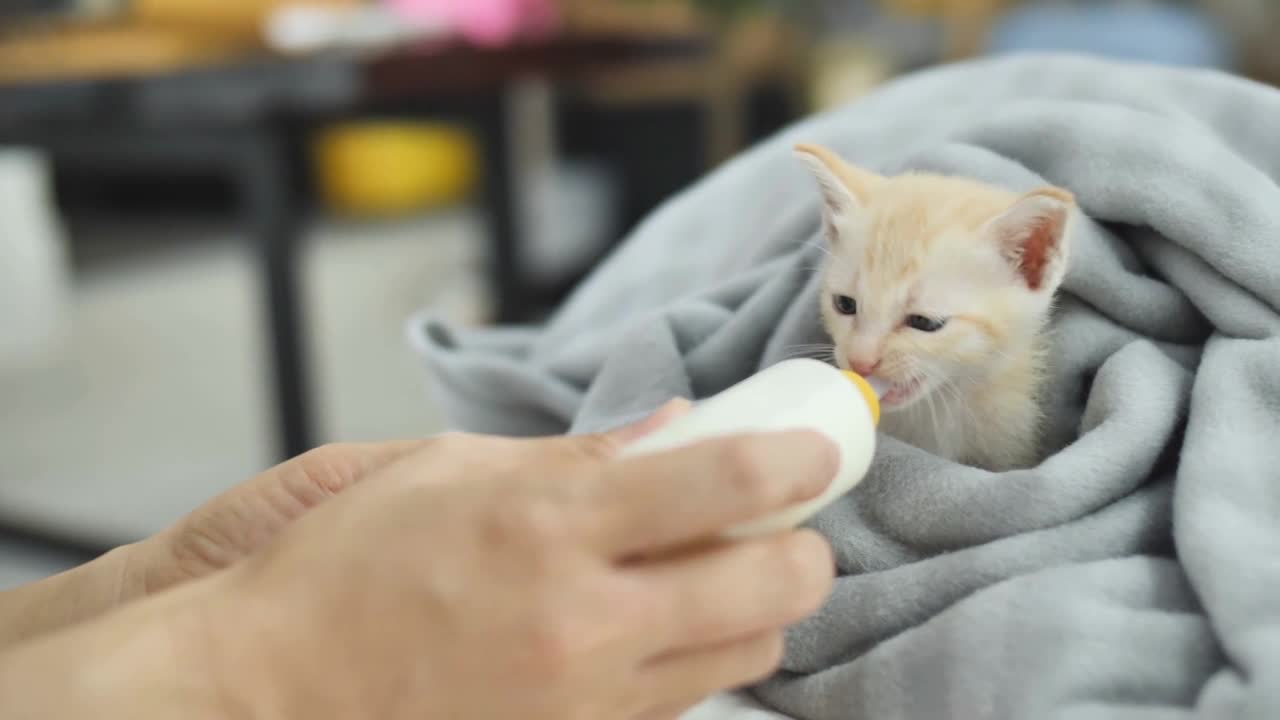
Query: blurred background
point(216, 216)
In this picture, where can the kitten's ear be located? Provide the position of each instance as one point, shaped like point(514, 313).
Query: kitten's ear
point(1032, 236)
point(844, 187)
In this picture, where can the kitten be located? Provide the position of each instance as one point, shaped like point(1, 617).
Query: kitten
point(943, 287)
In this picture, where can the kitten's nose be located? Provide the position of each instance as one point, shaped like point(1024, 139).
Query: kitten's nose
point(864, 367)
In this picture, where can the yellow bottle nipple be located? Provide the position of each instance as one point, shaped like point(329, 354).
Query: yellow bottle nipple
point(869, 393)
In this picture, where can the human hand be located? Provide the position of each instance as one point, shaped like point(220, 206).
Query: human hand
point(480, 577)
point(235, 524)
point(214, 536)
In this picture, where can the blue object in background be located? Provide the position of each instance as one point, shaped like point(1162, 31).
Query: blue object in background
point(1155, 33)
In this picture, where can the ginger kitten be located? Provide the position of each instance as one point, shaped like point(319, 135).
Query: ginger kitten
point(943, 287)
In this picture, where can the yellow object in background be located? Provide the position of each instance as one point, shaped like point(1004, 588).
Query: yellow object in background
point(379, 168)
point(108, 49)
point(235, 18)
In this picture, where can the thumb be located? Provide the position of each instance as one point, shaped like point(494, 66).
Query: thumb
point(604, 445)
point(669, 411)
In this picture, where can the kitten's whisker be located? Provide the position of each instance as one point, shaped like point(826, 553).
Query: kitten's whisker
point(933, 415)
point(809, 346)
point(954, 391)
point(917, 372)
point(947, 393)
point(820, 244)
point(1004, 355)
point(948, 390)
point(818, 350)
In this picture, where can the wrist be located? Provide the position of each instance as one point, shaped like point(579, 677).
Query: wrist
point(141, 661)
point(272, 652)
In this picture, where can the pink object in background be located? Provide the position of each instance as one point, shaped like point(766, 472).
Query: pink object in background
point(484, 22)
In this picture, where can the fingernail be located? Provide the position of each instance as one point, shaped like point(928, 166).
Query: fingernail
point(673, 405)
point(666, 412)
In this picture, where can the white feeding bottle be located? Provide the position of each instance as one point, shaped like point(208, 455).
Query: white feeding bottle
point(800, 394)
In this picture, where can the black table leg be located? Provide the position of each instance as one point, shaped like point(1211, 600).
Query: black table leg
point(493, 125)
point(272, 219)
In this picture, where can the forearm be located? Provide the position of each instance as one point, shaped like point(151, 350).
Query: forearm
point(142, 661)
point(71, 597)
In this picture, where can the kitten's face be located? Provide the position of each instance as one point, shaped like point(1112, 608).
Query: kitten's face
point(934, 283)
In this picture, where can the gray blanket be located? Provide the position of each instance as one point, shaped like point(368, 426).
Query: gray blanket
point(1135, 573)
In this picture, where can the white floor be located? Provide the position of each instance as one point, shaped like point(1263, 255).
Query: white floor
point(158, 398)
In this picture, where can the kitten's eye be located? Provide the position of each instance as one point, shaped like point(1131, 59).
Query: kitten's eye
point(845, 305)
point(925, 324)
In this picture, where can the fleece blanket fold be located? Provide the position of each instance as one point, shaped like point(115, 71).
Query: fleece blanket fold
point(1135, 572)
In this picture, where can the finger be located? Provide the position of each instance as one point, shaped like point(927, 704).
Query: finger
point(338, 466)
point(737, 589)
point(607, 445)
point(677, 682)
point(244, 518)
point(669, 411)
point(654, 502)
point(279, 495)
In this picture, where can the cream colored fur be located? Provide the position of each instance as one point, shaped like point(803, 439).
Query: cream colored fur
point(986, 260)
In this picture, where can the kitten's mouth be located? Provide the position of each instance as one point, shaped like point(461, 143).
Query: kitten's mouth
point(900, 393)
